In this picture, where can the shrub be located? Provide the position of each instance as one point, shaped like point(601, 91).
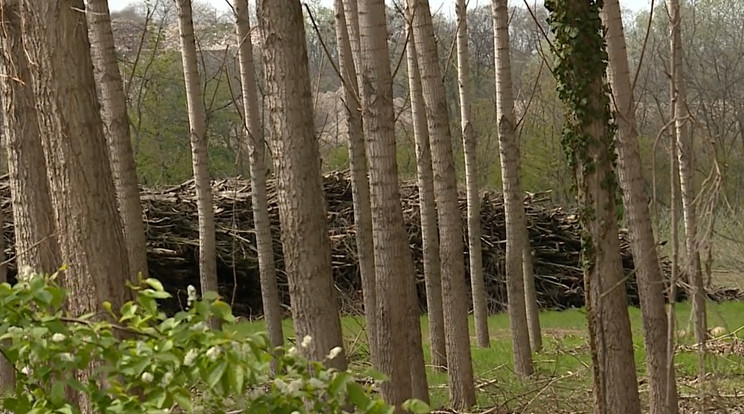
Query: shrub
point(151, 363)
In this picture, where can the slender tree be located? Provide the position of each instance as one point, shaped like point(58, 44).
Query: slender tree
point(470, 145)
point(116, 121)
point(643, 244)
point(588, 143)
point(302, 211)
point(459, 363)
point(359, 179)
point(682, 121)
point(516, 223)
point(428, 209)
point(255, 147)
point(199, 154)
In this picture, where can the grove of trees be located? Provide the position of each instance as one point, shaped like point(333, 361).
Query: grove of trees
point(631, 120)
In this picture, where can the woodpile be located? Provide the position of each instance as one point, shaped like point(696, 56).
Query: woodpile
point(172, 233)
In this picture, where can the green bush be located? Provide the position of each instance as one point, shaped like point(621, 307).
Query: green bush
point(151, 363)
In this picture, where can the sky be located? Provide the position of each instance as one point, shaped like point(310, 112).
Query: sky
point(445, 6)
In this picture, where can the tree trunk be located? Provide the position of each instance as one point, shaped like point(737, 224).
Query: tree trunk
point(588, 143)
point(83, 196)
point(459, 363)
point(428, 211)
point(359, 179)
point(199, 154)
point(470, 145)
point(302, 210)
point(255, 147)
point(83, 199)
point(516, 222)
point(7, 372)
point(682, 121)
point(643, 244)
point(116, 125)
point(398, 356)
point(530, 294)
point(35, 239)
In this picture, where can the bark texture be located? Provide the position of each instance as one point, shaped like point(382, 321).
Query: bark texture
point(199, 155)
point(643, 244)
point(459, 363)
point(398, 357)
point(516, 222)
point(470, 145)
point(81, 183)
point(255, 146)
point(302, 210)
point(116, 125)
point(682, 121)
point(428, 211)
point(35, 237)
point(359, 178)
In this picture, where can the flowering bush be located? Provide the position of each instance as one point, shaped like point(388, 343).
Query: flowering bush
point(151, 363)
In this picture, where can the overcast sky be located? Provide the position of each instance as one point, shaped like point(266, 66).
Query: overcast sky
point(446, 6)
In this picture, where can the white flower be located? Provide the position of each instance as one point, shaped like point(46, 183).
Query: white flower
point(147, 377)
point(58, 337)
point(192, 294)
point(167, 378)
point(190, 357)
point(26, 371)
point(292, 351)
point(335, 352)
point(213, 353)
point(306, 341)
point(66, 356)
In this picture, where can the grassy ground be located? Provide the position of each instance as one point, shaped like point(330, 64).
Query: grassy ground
point(562, 382)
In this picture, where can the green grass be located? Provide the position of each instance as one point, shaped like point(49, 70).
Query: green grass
point(563, 376)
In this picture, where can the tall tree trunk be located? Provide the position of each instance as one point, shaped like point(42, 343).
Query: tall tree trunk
point(83, 199)
point(588, 141)
point(302, 210)
point(428, 210)
point(91, 236)
point(359, 179)
point(459, 363)
point(7, 373)
point(516, 222)
point(686, 180)
point(199, 154)
point(530, 293)
point(116, 122)
point(470, 145)
point(398, 356)
point(35, 238)
point(643, 244)
point(256, 149)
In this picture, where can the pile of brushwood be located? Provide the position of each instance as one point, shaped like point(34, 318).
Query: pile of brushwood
point(172, 232)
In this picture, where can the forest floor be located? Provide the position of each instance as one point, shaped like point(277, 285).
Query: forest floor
point(562, 379)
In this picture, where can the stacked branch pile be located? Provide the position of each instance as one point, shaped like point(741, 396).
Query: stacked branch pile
point(172, 234)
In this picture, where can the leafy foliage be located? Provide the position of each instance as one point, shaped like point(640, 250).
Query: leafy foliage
point(151, 363)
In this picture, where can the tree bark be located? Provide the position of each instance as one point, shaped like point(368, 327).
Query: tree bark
point(116, 125)
point(428, 210)
point(255, 146)
point(693, 271)
point(302, 210)
point(516, 222)
point(588, 143)
point(359, 179)
point(530, 294)
point(459, 363)
point(643, 244)
point(398, 356)
point(199, 154)
point(35, 238)
point(470, 145)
